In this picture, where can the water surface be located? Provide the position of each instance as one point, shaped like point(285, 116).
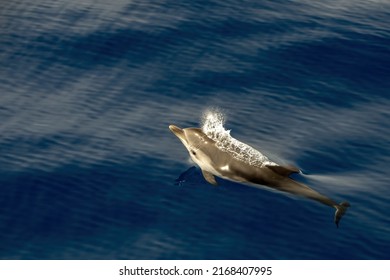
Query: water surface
point(88, 166)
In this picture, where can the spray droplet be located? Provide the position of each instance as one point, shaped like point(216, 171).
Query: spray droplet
point(212, 125)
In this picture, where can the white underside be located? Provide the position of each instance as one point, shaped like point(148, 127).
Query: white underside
point(206, 166)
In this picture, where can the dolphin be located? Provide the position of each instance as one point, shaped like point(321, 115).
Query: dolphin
point(214, 160)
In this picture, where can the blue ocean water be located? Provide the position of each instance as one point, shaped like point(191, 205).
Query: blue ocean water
point(90, 170)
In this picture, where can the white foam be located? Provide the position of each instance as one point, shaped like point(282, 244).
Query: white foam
point(212, 125)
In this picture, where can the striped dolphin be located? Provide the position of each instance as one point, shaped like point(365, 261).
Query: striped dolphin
point(216, 159)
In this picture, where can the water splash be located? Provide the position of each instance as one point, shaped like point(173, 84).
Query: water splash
point(213, 126)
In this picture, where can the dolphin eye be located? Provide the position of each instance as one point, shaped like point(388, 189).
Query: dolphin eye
point(193, 152)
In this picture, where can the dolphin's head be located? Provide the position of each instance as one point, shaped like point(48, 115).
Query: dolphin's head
point(195, 140)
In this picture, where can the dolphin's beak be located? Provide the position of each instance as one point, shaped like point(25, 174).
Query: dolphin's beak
point(178, 132)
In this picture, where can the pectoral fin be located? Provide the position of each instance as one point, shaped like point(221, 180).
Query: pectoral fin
point(209, 177)
point(283, 170)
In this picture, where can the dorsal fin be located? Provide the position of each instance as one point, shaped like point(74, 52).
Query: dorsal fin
point(283, 170)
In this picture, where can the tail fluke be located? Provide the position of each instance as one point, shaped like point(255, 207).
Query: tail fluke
point(341, 209)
